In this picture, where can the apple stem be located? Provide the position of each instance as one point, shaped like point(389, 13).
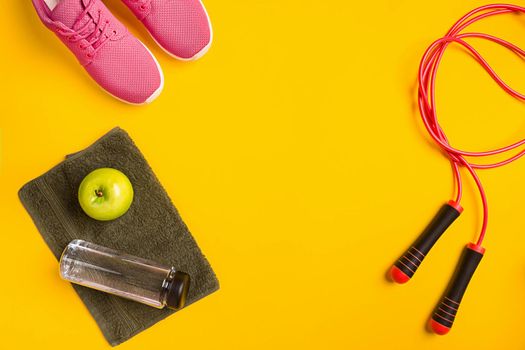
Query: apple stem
point(99, 193)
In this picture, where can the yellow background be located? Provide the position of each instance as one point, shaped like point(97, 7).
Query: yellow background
point(294, 153)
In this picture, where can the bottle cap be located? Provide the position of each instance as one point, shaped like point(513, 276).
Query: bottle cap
point(178, 290)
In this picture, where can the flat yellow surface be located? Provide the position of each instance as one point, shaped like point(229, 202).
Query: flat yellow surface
point(295, 155)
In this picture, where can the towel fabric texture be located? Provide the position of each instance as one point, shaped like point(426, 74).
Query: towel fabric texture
point(152, 229)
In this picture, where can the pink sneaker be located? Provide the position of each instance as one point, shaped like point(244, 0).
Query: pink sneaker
point(181, 27)
point(117, 61)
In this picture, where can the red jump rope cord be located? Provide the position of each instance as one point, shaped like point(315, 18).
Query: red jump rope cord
point(427, 100)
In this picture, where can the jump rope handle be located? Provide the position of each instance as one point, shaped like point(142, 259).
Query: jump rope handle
point(445, 312)
point(405, 267)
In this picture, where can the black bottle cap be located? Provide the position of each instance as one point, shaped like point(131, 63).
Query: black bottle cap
point(178, 290)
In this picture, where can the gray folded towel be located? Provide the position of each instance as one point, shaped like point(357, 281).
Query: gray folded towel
point(152, 228)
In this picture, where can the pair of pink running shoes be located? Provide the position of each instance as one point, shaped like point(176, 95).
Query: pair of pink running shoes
point(112, 56)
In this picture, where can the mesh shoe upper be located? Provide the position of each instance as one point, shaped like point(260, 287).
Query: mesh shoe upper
point(115, 59)
point(181, 27)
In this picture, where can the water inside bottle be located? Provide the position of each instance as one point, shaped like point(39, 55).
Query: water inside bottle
point(113, 272)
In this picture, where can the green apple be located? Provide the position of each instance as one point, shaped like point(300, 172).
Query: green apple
point(105, 194)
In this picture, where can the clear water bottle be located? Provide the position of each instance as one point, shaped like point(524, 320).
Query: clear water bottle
point(124, 275)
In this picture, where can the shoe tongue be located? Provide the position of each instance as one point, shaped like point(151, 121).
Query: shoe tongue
point(67, 11)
